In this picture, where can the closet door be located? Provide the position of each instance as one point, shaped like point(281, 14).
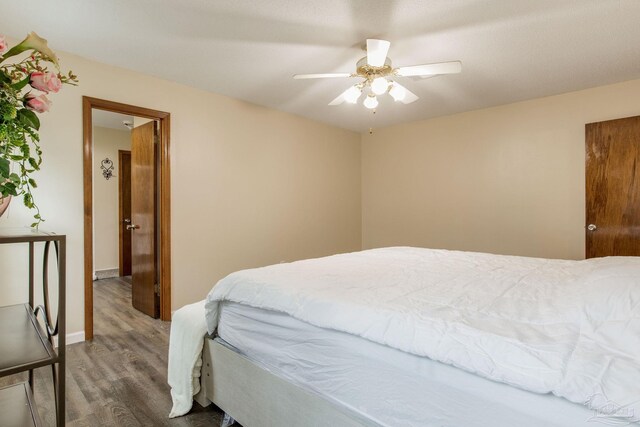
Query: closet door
point(613, 188)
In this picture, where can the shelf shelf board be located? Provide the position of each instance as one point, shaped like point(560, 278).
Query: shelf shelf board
point(17, 407)
point(23, 343)
point(25, 235)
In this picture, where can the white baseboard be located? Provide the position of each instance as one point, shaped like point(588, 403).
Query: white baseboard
point(106, 273)
point(73, 338)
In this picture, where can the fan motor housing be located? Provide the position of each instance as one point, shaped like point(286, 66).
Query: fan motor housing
point(368, 72)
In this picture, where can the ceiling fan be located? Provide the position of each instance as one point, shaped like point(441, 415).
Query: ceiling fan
point(379, 76)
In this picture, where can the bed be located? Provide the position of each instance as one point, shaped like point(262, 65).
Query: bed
point(416, 337)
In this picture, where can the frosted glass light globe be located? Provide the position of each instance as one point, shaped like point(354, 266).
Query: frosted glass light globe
point(397, 92)
point(371, 102)
point(352, 94)
point(379, 85)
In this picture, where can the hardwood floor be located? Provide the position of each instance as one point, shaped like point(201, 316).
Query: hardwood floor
point(120, 378)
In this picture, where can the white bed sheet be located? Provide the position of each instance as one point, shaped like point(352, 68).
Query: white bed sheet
point(385, 385)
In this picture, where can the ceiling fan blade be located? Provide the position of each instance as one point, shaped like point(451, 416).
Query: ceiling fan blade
point(409, 96)
point(377, 52)
point(420, 78)
point(338, 100)
point(452, 67)
point(320, 76)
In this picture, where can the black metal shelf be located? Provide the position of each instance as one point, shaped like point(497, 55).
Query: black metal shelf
point(17, 408)
point(26, 343)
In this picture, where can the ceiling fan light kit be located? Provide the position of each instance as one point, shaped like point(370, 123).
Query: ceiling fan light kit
point(397, 92)
point(371, 102)
point(379, 76)
point(352, 94)
point(379, 85)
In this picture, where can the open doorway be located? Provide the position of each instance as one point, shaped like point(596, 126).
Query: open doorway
point(111, 194)
point(126, 189)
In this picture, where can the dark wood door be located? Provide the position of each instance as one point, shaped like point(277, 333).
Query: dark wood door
point(143, 218)
point(613, 188)
point(124, 208)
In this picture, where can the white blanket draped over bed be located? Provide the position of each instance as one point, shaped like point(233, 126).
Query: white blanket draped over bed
point(571, 328)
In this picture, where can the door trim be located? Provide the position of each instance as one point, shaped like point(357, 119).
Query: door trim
point(164, 118)
point(121, 153)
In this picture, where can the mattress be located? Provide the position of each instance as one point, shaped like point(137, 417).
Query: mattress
point(385, 385)
point(571, 328)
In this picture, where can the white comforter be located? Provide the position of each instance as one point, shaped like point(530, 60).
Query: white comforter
point(571, 328)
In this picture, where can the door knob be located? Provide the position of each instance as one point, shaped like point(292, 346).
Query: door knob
point(592, 227)
point(132, 227)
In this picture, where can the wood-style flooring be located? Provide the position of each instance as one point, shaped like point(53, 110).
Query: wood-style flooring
point(120, 378)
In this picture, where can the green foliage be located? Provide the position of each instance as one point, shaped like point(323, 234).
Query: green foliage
point(20, 152)
point(21, 84)
point(4, 167)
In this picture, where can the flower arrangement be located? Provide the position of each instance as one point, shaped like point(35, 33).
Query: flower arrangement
point(24, 86)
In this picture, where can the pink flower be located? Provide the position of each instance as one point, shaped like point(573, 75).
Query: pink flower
point(39, 104)
point(4, 46)
point(46, 82)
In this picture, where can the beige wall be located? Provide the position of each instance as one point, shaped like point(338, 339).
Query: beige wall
point(253, 186)
point(250, 186)
point(106, 143)
point(507, 180)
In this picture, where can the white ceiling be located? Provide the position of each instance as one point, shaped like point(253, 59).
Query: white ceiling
point(511, 49)
point(107, 119)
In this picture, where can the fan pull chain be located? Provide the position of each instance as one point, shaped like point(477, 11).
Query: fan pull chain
point(371, 128)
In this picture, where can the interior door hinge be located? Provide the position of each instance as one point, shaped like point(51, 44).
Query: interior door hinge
point(156, 287)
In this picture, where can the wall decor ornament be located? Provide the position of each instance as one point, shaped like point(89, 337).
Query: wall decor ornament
point(107, 168)
point(25, 83)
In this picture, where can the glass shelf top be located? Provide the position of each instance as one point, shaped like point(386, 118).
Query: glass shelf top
point(26, 234)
